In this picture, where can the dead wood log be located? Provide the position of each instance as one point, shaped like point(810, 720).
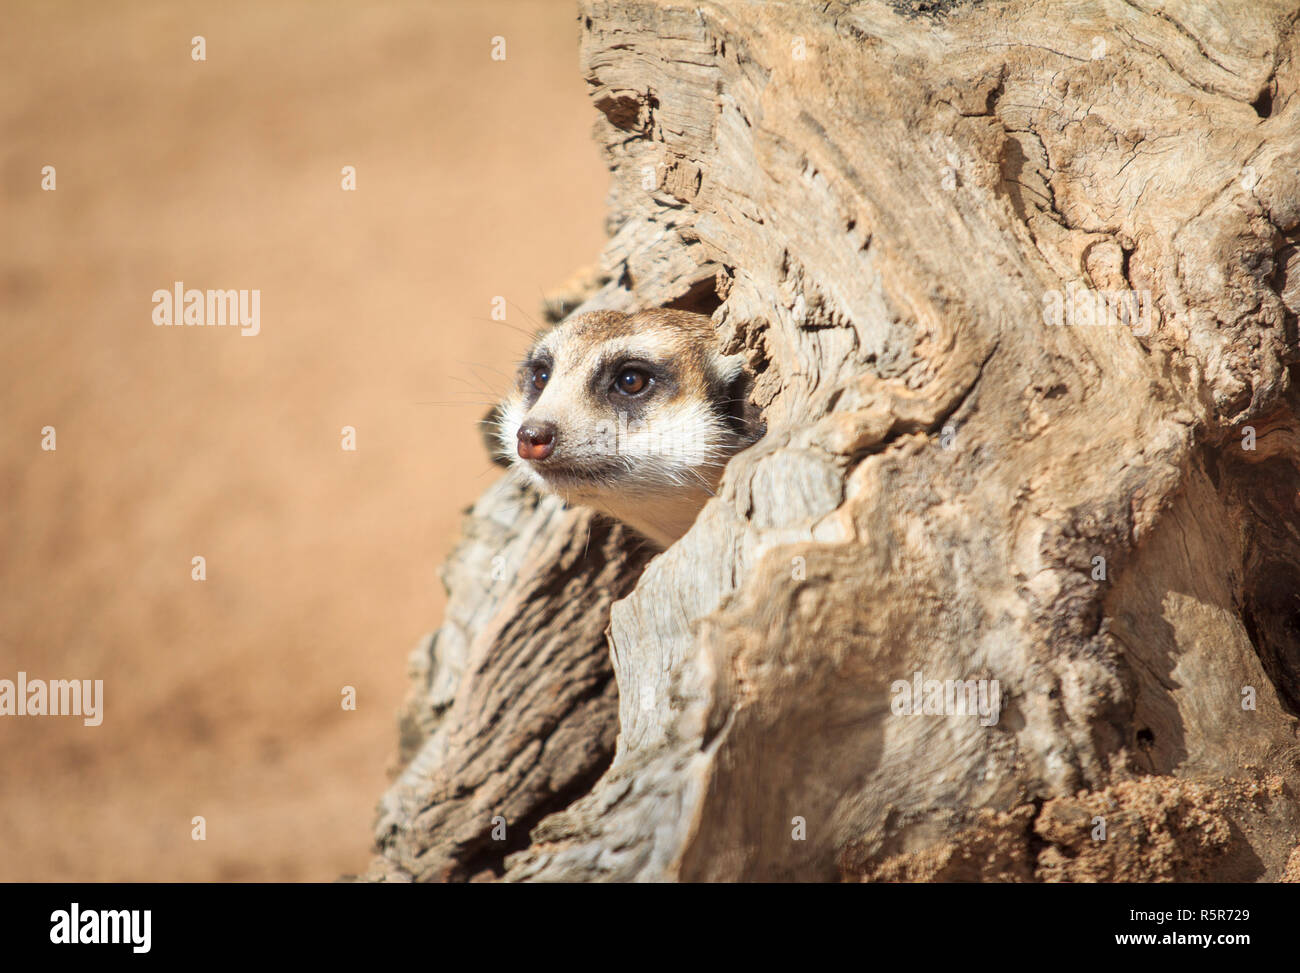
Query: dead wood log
point(1019, 283)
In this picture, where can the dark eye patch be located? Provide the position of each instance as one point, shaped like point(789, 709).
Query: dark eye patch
point(627, 383)
point(534, 374)
point(631, 380)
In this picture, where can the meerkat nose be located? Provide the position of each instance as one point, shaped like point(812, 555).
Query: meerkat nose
point(536, 440)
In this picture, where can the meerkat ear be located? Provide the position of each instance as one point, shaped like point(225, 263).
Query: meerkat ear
point(737, 384)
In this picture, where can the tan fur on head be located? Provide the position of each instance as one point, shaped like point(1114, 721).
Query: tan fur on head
point(634, 415)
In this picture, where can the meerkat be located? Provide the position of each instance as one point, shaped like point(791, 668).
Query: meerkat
point(634, 415)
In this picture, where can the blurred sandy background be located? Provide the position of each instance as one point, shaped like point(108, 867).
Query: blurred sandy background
point(222, 698)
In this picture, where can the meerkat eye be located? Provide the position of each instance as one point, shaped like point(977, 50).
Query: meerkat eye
point(541, 375)
point(632, 381)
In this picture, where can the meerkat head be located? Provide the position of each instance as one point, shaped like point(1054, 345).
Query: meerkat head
point(634, 415)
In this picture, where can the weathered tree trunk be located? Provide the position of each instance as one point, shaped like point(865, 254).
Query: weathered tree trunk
point(904, 213)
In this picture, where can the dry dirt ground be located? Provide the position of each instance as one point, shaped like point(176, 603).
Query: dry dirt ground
point(475, 178)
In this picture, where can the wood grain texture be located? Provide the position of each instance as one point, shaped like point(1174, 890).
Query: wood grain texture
point(513, 709)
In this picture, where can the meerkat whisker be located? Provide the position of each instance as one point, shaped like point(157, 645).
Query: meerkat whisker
point(530, 335)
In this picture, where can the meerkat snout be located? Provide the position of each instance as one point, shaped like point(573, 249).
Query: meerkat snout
point(635, 415)
point(536, 440)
